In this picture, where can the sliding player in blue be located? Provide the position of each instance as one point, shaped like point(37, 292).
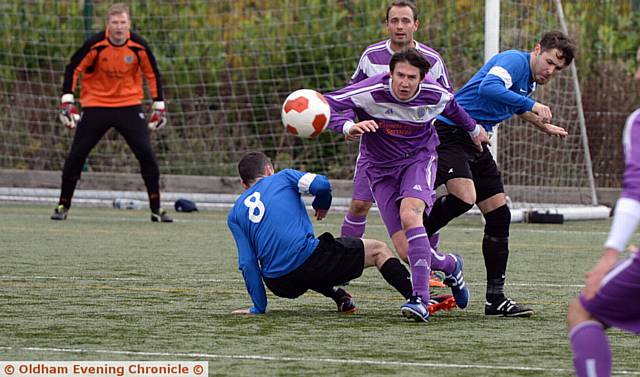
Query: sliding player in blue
point(277, 246)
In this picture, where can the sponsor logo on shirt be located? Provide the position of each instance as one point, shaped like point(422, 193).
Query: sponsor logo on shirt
point(417, 188)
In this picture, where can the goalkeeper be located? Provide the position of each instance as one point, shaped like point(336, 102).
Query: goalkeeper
point(111, 95)
point(499, 90)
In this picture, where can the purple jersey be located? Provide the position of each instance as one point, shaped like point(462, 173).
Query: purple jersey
point(375, 60)
point(631, 142)
point(405, 128)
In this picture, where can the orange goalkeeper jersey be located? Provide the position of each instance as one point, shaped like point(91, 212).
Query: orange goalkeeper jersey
point(112, 75)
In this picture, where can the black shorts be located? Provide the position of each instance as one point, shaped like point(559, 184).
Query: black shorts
point(459, 158)
point(333, 262)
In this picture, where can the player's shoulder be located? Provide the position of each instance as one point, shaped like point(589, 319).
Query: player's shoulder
point(378, 46)
point(634, 117)
point(516, 56)
point(427, 51)
point(135, 40)
point(99, 38)
point(378, 51)
point(632, 123)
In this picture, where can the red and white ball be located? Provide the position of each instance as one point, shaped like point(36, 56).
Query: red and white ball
point(305, 113)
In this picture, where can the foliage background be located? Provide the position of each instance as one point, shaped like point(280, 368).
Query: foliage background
point(227, 66)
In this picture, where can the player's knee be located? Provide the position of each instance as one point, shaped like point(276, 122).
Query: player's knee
point(360, 208)
point(377, 252)
point(463, 190)
point(576, 314)
point(498, 222)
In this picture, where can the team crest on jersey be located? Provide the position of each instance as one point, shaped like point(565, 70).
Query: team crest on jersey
point(128, 59)
point(421, 112)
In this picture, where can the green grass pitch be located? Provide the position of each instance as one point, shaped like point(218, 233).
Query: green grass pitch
point(110, 285)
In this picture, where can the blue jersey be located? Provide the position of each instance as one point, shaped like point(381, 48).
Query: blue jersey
point(500, 89)
point(272, 229)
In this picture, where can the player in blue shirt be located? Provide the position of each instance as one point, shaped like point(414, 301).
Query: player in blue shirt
point(501, 89)
point(277, 246)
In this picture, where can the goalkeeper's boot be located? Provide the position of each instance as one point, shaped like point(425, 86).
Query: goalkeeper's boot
point(59, 213)
point(415, 309)
point(441, 302)
point(456, 282)
point(346, 303)
point(161, 216)
point(507, 308)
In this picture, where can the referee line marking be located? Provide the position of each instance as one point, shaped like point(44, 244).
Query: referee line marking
point(308, 360)
point(141, 280)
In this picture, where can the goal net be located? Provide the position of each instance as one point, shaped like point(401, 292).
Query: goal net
point(228, 65)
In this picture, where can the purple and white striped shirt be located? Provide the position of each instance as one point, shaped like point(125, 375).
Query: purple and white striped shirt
point(405, 128)
point(375, 60)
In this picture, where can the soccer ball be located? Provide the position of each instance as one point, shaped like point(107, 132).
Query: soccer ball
point(305, 113)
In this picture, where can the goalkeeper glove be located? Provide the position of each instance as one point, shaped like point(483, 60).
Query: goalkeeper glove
point(69, 115)
point(158, 117)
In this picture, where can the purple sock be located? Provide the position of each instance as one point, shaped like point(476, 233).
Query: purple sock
point(419, 261)
point(353, 226)
point(591, 352)
point(442, 262)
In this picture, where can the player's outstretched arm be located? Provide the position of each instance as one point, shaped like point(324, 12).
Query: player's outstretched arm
point(547, 128)
point(248, 264)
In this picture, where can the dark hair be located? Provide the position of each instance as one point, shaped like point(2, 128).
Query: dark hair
point(252, 165)
point(413, 57)
point(564, 44)
point(403, 3)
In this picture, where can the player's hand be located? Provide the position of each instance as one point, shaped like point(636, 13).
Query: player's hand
point(321, 214)
point(69, 114)
point(358, 129)
point(552, 130)
point(242, 311)
point(158, 117)
point(597, 273)
point(481, 138)
point(543, 111)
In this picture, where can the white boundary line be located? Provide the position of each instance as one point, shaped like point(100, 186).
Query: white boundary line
point(89, 279)
point(306, 360)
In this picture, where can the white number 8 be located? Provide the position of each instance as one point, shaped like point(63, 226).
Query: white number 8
point(253, 205)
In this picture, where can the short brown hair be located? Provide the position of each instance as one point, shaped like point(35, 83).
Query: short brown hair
point(413, 57)
point(403, 3)
point(559, 40)
point(118, 8)
point(252, 165)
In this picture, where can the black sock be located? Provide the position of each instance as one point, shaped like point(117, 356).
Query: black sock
point(397, 275)
point(495, 249)
point(153, 191)
point(66, 192)
point(445, 209)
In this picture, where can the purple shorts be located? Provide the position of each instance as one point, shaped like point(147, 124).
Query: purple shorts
point(414, 179)
point(361, 186)
point(617, 303)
